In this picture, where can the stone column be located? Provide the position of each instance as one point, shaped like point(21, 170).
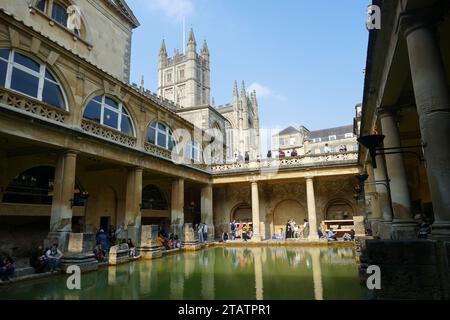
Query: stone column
point(312, 216)
point(255, 212)
point(177, 208)
point(133, 202)
point(403, 225)
point(375, 208)
point(382, 188)
point(433, 106)
point(63, 192)
point(207, 209)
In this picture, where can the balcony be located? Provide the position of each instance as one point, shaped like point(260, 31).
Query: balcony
point(317, 160)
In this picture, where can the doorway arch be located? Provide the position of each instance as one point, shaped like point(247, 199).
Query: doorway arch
point(286, 210)
point(339, 209)
point(242, 212)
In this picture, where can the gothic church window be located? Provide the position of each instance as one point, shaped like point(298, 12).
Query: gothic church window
point(31, 78)
point(109, 112)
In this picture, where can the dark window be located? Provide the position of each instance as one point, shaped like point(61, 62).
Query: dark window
point(26, 62)
point(126, 125)
point(3, 70)
point(59, 14)
point(151, 135)
point(52, 95)
point(24, 82)
point(93, 111)
point(153, 198)
point(41, 5)
point(110, 118)
point(4, 53)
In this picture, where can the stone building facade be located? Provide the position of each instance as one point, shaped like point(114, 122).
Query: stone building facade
point(303, 141)
point(82, 149)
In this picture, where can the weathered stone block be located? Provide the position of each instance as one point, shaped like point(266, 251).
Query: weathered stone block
point(149, 248)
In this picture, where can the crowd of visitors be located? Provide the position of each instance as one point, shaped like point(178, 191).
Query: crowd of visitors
point(168, 241)
point(293, 230)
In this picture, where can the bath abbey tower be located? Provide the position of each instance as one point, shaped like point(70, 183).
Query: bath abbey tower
point(184, 79)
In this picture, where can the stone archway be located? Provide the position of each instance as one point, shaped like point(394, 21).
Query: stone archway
point(339, 209)
point(242, 212)
point(286, 210)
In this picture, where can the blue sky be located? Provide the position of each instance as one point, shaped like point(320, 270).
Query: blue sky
point(305, 58)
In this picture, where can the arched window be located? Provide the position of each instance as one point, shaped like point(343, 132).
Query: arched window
point(160, 134)
point(109, 112)
point(153, 199)
point(193, 151)
point(29, 77)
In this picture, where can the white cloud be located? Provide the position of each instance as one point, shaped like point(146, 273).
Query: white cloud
point(173, 9)
point(263, 91)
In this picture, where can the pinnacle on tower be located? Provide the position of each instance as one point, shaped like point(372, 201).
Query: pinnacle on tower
point(205, 50)
point(243, 92)
point(163, 50)
point(192, 38)
point(235, 90)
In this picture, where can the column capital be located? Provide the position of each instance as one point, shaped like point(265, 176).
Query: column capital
point(420, 18)
point(309, 177)
point(387, 112)
point(71, 152)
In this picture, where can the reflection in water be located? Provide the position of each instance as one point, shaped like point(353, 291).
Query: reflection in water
point(222, 273)
point(258, 274)
point(317, 273)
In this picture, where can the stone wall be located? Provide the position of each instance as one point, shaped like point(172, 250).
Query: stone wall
point(410, 269)
point(18, 235)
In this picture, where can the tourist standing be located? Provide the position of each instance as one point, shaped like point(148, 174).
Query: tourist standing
point(7, 268)
point(247, 157)
point(305, 231)
point(269, 154)
point(200, 232)
point(205, 233)
point(288, 229)
point(233, 230)
point(102, 239)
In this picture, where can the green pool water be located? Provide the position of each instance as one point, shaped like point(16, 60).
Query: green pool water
point(268, 273)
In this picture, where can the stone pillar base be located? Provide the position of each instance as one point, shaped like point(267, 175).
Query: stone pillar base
point(256, 238)
point(118, 256)
point(375, 226)
point(149, 253)
point(189, 240)
point(403, 230)
point(385, 230)
point(441, 231)
point(211, 233)
point(86, 262)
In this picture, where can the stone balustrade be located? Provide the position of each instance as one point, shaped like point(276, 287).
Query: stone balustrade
point(287, 163)
point(9, 98)
point(107, 133)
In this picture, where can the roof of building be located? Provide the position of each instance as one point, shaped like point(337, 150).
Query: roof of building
point(122, 7)
point(337, 131)
point(289, 130)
